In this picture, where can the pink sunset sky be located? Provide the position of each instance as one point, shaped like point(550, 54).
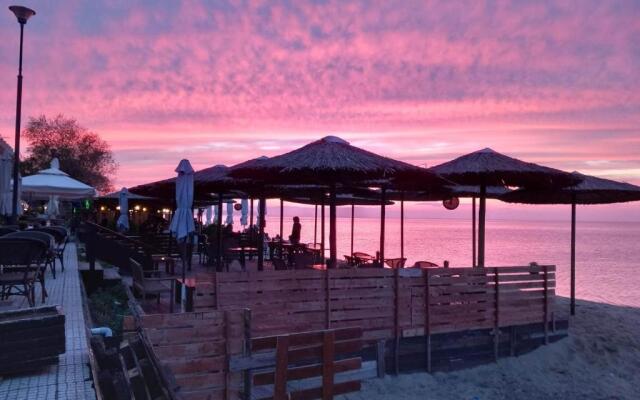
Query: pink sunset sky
point(218, 82)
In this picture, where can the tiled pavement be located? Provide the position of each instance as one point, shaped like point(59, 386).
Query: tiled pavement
point(71, 377)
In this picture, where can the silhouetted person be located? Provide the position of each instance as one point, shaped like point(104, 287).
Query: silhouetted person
point(294, 238)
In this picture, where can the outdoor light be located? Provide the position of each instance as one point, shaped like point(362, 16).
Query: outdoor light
point(102, 208)
point(23, 14)
point(144, 209)
point(137, 208)
point(118, 208)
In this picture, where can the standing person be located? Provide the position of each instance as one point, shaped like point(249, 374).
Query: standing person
point(294, 238)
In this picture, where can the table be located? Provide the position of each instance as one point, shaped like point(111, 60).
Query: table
point(169, 263)
point(241, 252)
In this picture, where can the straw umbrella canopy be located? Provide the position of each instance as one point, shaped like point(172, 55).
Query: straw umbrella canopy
point(591, 190)
point(487, 167)
point(334, 161)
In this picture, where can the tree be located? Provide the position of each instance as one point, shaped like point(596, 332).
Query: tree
point(82, 153)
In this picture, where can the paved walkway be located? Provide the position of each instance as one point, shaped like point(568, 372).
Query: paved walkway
point(71, 377)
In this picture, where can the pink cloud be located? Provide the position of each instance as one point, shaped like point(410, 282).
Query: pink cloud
point(422, 81)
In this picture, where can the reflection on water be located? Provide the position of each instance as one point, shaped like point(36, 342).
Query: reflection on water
point(608, 254)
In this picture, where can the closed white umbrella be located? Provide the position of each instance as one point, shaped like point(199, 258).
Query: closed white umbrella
point(6, 167)
point(53, 206)
point(209, 215)
point(244, 220)
point(229, 220)
point(182, 222)
point(123, 220)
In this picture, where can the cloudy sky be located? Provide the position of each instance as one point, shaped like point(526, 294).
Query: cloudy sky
point(218, 82)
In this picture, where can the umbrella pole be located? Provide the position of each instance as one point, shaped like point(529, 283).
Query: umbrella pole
point(262, 206)
point(353, 213)
point(383, 200)
point(573, 255)
point(333, 254)
point(473, 232)
point(315, 226)
point(481, 224)
point(281, 226)
point(251, 216)
point(219, 255)
point(322, 230)
point(402, 225)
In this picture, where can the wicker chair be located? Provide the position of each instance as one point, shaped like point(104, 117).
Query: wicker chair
point(49, 257)
point(279, 264)
point(19, 258)
point(5, 230)
point(61, 236)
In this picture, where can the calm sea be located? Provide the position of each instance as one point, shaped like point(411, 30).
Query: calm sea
point(608, 254)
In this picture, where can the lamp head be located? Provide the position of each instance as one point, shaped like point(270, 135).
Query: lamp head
point(22, 13)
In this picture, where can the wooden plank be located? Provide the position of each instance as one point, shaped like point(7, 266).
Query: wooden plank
point(282, 364)
point(308, 354)
point(328, 356)
point(367, 371)
point(327, 296)
point(305, 338)
point(308, 371)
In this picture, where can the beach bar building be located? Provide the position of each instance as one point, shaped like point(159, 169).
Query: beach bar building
point(269, 319)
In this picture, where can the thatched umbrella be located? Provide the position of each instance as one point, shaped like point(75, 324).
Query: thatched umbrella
point(489, 168)
point(591, 190)
point(334, 161)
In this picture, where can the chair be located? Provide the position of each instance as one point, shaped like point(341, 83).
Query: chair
point(303, 260)
point(19, 258)
point(361, 258)
point(279, 264)
point(395, 262)
point(203, 253)
point(149, 285)
point(61, 237)
point(425, 264)
point(49, 257)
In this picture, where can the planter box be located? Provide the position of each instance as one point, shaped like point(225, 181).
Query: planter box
point(30, 339)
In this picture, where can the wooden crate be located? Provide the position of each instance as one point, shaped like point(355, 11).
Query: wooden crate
point(31, 339)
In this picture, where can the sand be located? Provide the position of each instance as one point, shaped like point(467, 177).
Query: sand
point(599, 360)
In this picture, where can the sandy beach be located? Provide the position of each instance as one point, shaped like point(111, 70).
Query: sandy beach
point(599, 360)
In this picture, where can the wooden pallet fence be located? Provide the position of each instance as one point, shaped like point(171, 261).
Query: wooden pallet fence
point(307, 365)
point(387, 304)
point(195, 349)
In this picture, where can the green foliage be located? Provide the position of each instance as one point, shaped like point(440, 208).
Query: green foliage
point(108, 308)
point(82, 153)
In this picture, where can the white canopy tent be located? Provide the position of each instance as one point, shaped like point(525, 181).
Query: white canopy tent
point(54, 182)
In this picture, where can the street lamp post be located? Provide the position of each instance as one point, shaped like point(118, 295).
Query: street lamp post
point(23, 14)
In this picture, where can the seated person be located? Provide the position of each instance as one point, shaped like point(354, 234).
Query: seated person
point(294, 238)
